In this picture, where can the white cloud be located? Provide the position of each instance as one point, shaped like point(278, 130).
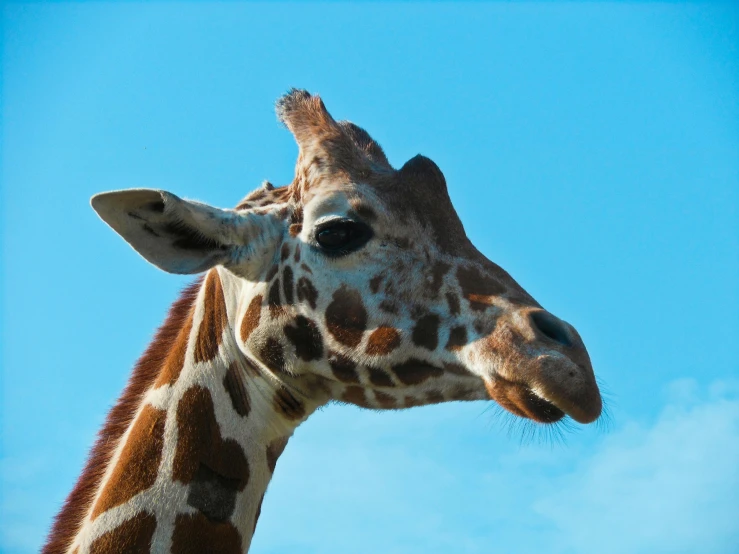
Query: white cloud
point(432, 481)
point(670, 487)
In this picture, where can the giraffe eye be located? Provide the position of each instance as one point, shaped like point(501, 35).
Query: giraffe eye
point(337, 238)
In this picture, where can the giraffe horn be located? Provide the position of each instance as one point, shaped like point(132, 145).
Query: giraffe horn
point(306, 117)
point(325, 141)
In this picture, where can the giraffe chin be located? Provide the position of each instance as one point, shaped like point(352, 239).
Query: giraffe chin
point(520, 400)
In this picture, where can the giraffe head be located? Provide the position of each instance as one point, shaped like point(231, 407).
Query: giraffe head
point(357, 282)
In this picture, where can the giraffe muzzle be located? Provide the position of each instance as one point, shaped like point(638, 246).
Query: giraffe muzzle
point(548, 374)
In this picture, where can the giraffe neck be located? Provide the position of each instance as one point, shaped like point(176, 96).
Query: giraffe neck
point(190, 471)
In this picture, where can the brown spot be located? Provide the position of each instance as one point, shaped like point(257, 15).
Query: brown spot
point(273, 299)
point(274, 450)
point(426, 332)
point(411, 401)
point(462, 392)
point(271, 274)
point(385, 400)
point(307, 292)
point(210, 332)
point(286, 404)
point(479, 302)
point(297, 215)
point(175, 360)
point(144, 375)
point(389, 307)
point(212, 494)
point(453, 302)
point(363, 211)
point(295, 229)
point(457, 369)
point(133, 535)
point(401, 242)
point(234, 384)
point(437, 277)
point(418, 311)
point(383, 340)
point(195, 533)
point(343, 368)
point(199, 442)
point(457, 338)
point(355, 395)
point(284, 251)
point(305, 268)
point(251, 317)
point(256, 195)
point(375, 283)
point(413, 371)
point(272, 356)
point(434, 397)
point(476, 285)
point(296, 257)
point(306, 338)
point(318, 385)
point(379, 377)
point(138, 464)
point(287, 284)
point(282, 194)
point(346, 317)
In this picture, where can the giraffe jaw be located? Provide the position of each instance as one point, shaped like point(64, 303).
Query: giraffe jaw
point(522, 400)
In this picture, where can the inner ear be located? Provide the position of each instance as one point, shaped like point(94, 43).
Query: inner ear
point(176, 235)
point(109, 205)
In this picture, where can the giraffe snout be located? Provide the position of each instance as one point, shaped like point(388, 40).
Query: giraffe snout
point(562, 373)
point(546, 372)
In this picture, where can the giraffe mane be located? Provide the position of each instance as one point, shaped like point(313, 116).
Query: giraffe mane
point(120, 417)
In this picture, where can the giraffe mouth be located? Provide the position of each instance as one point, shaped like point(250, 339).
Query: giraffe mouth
point(521, 400)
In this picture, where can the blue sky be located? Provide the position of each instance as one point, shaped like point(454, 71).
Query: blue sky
point(592, 150)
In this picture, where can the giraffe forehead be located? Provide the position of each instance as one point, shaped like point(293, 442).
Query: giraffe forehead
point(374, 205)
point(333, 202)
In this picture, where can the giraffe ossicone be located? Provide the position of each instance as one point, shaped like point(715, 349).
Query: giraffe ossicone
point(354, 283)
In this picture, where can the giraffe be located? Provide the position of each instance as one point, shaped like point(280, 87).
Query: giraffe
point(354, 283)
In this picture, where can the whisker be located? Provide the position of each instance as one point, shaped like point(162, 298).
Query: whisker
point(605, 423)
point(528, 432)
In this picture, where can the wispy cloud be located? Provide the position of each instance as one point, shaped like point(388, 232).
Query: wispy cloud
point(669, 487)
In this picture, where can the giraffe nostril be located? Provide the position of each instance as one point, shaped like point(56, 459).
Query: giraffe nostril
point(551, 327)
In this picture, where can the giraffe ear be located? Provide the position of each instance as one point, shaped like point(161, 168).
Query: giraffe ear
point(176, 235)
